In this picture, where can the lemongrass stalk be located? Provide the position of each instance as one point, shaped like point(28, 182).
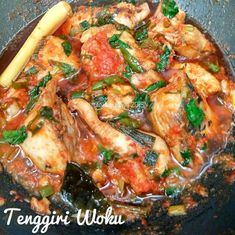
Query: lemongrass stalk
point(49, 23)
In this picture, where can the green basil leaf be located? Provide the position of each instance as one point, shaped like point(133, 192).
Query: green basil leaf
point(214, 68)
point(172, 191)
point(31, 71)
point(169, 8)
point(141, 33)
point(170, 171)
point(67, 47)
point(107, 154)
point(141, 102)
point(47, 113)
point(14, 136)
point(194, 113)
point(35, 92)
point(164, 60)
point(187, 156)
point(116, 43)
point(85, 25)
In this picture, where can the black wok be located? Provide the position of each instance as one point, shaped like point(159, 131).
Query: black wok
point(214, 215)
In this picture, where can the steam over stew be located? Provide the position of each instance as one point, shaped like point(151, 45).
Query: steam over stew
point(138, 101)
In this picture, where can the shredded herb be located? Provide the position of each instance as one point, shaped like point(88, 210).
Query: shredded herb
point(150, 158)
point(194, 114)
point(116, 43)
point(124, 119)
point(139, 137)
point(35, 92)
point(131, 61)
point(107, 82)
point(67, 47)
point(155, 86)
point(170, 171)
point(99, 101)
point(214, 68)
point(141, 102)
point(141, 33)
point(85, 25)
point(172, 191)
point(186, 155)
point(104, 18)
point(164, 60)
point(128, 72)
point(67, 69)
point(47, 113)
point(107, 154)
point(134, 2)
point(79, 94)
point(204, 147)
point(170, 8)
point(14, 136)
point(31, 71)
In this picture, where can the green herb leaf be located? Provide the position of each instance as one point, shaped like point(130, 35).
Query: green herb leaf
point(67, 69)
point(139, 137)
point(14, 136)
point(104, 18)
point(134, 2)
point(155, 86)
point(131, 61)
point(194, 114)
point(141, 33)
point(170, 8)
point(128, 72)
point(79, 94)
point(150, 158)
point(67, 47)
point(47, 113)
point(107, 154)
point(186, 155)
point(31, 71)
point(99, 101)
point(46, 191)
point(164, 60)
point(107, 82)
point(170, 171)
point(116, 43)
point(85, 25)
point(172, 191)
point(141, 102)
point(214, 68)
point(35, 92)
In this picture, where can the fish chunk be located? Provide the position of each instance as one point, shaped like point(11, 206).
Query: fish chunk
point(129, 15)
point(52, 146)
point(109, 136)
point(203, 81)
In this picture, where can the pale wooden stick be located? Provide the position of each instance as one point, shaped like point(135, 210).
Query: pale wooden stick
point(49, 23)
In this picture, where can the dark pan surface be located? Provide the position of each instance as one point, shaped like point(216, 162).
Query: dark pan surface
point(213, 216)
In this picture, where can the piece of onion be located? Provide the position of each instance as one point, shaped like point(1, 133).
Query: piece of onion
point(49, 23)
